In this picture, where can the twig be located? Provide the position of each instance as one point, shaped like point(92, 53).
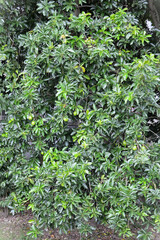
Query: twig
point(155, 133)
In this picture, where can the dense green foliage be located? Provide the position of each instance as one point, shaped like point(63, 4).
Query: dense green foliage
point(79, 92)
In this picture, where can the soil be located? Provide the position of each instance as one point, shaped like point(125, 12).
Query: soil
point(101, 233)
point(16, 227)
point(12, 227)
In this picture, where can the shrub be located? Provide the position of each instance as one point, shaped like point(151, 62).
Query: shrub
point(80, 109)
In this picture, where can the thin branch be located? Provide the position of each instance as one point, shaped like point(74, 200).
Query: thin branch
point(154, 133)
point(87, 6)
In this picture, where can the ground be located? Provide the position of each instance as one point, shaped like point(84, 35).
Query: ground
point(12, 227)
point(16, 227)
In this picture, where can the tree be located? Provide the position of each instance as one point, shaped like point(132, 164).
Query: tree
point(79, 96)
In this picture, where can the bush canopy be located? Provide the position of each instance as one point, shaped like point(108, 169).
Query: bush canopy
point(80, 86)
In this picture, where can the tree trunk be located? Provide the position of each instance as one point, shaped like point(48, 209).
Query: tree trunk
point(154, 13)
point(77, 11)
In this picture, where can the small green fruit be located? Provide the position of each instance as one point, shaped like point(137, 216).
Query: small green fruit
point(134, 148)
point(33, 123)
point(143, 148)
point(30, 117)
point(75, 113)
point(65, 119)
point(124, 143)
point(139, 136)
point(42, 153)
